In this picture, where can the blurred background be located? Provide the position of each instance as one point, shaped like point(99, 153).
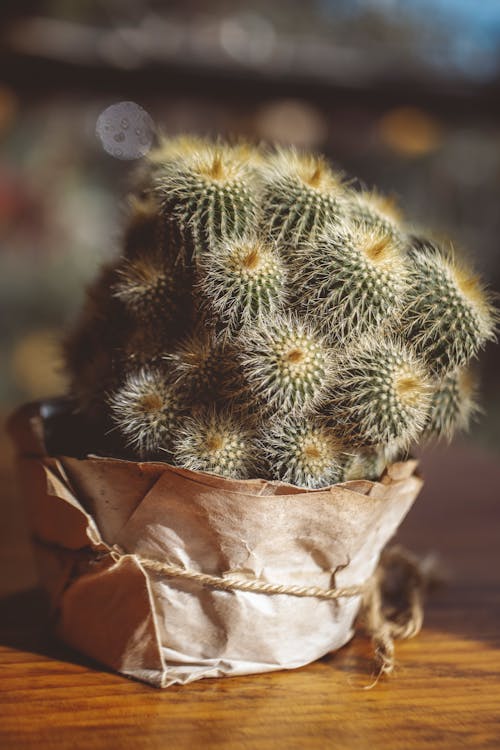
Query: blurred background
point(402, 94)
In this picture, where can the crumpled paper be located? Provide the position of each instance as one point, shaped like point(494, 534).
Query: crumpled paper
point(164, 630)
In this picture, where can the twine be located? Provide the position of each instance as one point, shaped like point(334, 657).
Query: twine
point(392, 598)
point(393, 606)
point(254, 585)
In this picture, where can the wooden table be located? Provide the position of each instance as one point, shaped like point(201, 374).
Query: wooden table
point(445, 692)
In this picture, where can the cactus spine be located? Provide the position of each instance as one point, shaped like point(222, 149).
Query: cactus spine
point(203, 367)
point(89, 347)
point(452, 405)
point(285, 363)
point(380, 393)
point(207, 193)
point(448, 316)
point(145, 410)
point(303, 451)
point(367, 463)
point(353, 278)
point(374, 209)
point(242, 282)
point(148, 289)
point(143, 223)
point(217, 442)
point(301, 194)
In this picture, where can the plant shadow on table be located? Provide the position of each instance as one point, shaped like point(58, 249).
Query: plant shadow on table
point(25, 625)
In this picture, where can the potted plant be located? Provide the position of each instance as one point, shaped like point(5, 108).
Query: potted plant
point(248, 378)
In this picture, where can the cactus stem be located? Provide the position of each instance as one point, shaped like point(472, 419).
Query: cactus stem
point(242, 281)
point(286, 363)
point(453, 405)
point(380, 394)
point(448, 315)
point(301, 193)
point(352, 279)
point(146, 410)
point(217, 441)
point(303, 451)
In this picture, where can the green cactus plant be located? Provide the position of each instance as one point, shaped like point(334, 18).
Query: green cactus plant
point(145, 410)
point(143, 224)
point(142, 347)
point(204, 367)
point(380, 393)
point(448, 315)
point(453, 404)
point(373, 209)
point(207, 192)
point(369, 463)
point(149, 289)
point(301, 194)
point(353, 277)
point(243, 281)
point(303, 451)
point(173, 149)
point(264, 319)
point(285, 364)
point(88, 347)
point(216, 441)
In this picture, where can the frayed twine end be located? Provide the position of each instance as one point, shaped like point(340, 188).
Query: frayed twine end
point(393, 605)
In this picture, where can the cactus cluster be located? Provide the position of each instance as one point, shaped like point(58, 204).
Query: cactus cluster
point(267, 320)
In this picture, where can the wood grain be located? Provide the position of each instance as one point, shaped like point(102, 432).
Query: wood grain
point(445, 692)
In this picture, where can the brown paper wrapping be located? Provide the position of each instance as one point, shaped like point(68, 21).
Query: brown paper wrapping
point(164, 630)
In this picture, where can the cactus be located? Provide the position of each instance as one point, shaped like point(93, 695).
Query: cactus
point(260, 304)
point(88, 346)
point(380, 393)
point(303, 451)
point(207, 193)
point(143, 224)
point(95, 375)
point(285, 363)
point(369, 463)
point(353, 278)
point(143, 347)
point(145, 410)
point(218, 442)
point(157, 308)
point(170, 235)
point(149, 289)
point(301, 195)
point(364, 464)
point(203, 367)
point(448, 315)
point(242, 282)
point(174, 149)
point(452, 404)
point(148, 233)
point(374, 209)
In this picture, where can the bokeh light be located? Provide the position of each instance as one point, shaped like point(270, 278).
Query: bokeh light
point(125, 130)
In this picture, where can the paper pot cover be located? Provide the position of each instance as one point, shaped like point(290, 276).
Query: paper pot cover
point(98, 519)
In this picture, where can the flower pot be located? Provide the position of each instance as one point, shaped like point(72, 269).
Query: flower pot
point(169, 576)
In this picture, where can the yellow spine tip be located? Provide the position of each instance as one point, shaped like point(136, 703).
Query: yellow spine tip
point(315, 179)
point(217, 171)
